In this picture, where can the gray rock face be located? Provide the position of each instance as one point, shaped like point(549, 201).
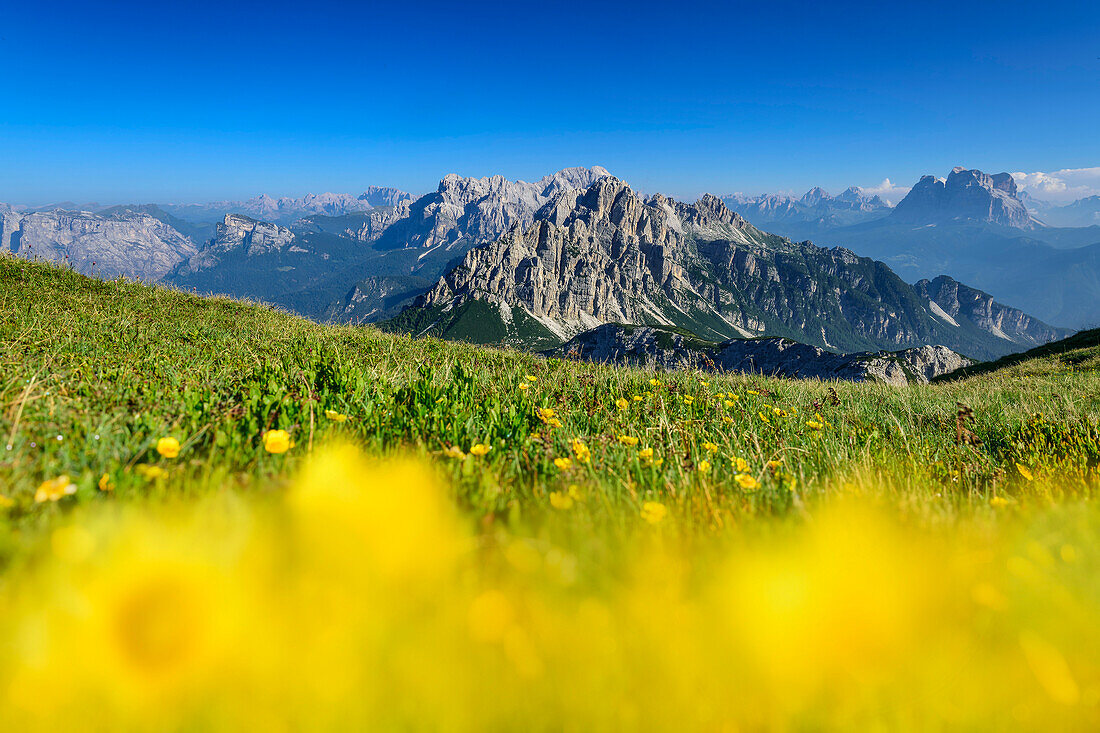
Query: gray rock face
point(659, 348)
point(605, 256)
point(240, 235)
point(966, 195)
point(286, 209)
point(961, 302)
point(377, 196)
point(130, 243)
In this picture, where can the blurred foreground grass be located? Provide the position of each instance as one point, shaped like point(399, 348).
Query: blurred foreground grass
point(459, 538)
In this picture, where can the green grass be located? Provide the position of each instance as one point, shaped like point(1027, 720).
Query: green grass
point(93, 373)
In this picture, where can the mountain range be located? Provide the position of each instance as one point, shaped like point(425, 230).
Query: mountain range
point(537, 264)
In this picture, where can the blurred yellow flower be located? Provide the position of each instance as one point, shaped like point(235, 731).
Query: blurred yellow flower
point(168, 447)
point(764, 418)
point(774, 464)
point(531, 378)
point(54, 489)
point(653, 512)
point(335, 416)
point(752, 391)
point(580, 450)
point(524, 386)
point(654, 382)
point(277, 441)
point(710, 447)
point(688, 399)
point(453, 451)
point(740, 464)
point(998, 502)
point(704, 466)
point(814, 425)
point(621, 403)
point(6, 502)
point(150, 472)
point(563, 463)
point(704, 382)
point(560, 499)
point(638, 398)
point(645, 453)
point(480, 449)
point(105, 483)
point(1024, 471)
point(628, 440)
point(746, 482)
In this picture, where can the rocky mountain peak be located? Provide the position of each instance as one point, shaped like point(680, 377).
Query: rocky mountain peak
point(814, 196)
point(965, 195)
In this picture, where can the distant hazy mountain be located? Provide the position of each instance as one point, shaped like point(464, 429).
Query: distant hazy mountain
point(815, 212)
point(1081, 213)
point(606, 256)
point(964, 196)
point(285, 209)
point(124, 243)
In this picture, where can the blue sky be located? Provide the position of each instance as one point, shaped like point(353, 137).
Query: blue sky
point(145, 101)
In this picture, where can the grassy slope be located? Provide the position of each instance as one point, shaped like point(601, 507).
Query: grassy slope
point(130, 363)
point(1080, 351)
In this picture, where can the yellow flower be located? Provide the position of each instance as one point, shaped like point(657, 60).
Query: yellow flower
point(524, 386)
point(741, 464)
point(548, 416)
point(554, 422)
point(998, 501)
point(105, 483)
point(752, 391)
point(764, 418)
point(564, 463)
point(628, 440)
point(774, 464)
point(1024, 471)
point(621, 403)
point(730, 403)
point(150, 472)
point(746, 482)
point(453, 451)
point(688, 399)
point(6, 502)
point(814, 425)
point(727, 419)
point(277, 441)
point(638, 398)
point(561, 500)
point(710, 447)
point(645, 454)
point(654, 382)
point(778, 412)
point(704, 382)
point(335, 416)
point(653, 512)
point(168, 447)
point(531, 378)
point(704, 466)
point(480, 449)
point(54, 489)
point(580, 450)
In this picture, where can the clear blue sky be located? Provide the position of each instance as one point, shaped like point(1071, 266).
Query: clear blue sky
point(151, 101)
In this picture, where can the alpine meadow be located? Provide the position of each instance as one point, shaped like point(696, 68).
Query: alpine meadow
point(505, 367)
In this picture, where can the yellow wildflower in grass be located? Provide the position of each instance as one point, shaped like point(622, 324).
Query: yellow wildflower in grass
point(580, 450)
point(653, 512)
point(704, 382)
point(531, 378)
point(638, 398)
point(150, 472)
point(764, 418)
point(54, 489)
point(105, 483)
point(277, 441)
point(752, 391)
point(710, 447)
point(814, 425)
point(168, 447)
point(688, 399)
point(564, 463)
point(480, 449)
point(646, 454)
point(729, 403)
point(549, 417)
point(453, 451)
point(628, 440)
point(1025, 471)
point(727, 419)
point(774, 464)
point(704, 466)
point(336, 416)
point(740, 464)
point(998, 502)
point(654, 382)
point(6, 502)
point(561, 500)
point(524, 386)
point(621, 403)
point(746, 482)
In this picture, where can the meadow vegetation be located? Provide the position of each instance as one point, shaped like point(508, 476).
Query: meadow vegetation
point(218, 515)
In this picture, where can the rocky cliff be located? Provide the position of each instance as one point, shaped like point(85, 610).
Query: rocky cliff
point(955, 302)
point(660, 348)
point(238, 235)
point(965, 195)
point(604, 255)
point(128, 243)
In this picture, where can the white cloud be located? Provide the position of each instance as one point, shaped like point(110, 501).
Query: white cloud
point(888, 191)
point(1061, 187)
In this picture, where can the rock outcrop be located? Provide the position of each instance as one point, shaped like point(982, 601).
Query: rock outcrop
point(965, 195)
point(378, 196)
point(659, 348)
point(238, 235)
point(955, 302)
point(129, 243)
point(606, 256)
